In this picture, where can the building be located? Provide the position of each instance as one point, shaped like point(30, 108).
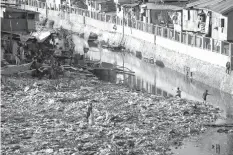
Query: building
point(101, 5)
point(158, 14)
point(212, 18)
point(152, 11)
point(18, 20)
point(127, 4)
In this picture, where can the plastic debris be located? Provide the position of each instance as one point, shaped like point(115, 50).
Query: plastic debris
point(49, 117)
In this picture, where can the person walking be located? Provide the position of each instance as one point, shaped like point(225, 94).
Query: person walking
point(178, 92)
point(228, 66)
point(204, 96)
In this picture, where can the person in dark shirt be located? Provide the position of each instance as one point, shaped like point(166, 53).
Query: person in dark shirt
point(228, 66)
point(178, 92)
point(89, 111)
point(205, 94)
point(35, 65)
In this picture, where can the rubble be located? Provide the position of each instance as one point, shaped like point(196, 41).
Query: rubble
point(49, 117)
point(41, 52)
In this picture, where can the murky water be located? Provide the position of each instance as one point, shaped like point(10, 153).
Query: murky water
point(164, 81)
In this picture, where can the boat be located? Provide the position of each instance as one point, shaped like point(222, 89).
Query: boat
point(12, 69)
point(159, 63)
point(149, 60)
point(114, 48)
point(92, 43)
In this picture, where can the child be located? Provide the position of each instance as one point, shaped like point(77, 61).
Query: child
point(178, 92)
point(204, 96)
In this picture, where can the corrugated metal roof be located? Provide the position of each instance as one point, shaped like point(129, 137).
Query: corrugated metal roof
point(219, 6)
point(153, 6)
point(11, 9)
point(130, 5)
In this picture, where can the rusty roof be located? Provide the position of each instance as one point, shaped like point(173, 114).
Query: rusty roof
point(219, 6)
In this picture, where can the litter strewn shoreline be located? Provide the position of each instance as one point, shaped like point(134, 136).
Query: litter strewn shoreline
point(49, 117)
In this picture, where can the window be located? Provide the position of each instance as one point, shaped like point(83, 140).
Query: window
point(222, 22)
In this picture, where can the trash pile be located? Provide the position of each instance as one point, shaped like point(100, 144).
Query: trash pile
point(49, 117)
point(41, 52)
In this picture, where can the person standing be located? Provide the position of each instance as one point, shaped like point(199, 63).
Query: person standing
point(22, 54)
point(15, 51)
point(204, 96)
point(178, 92)
point(228, 66)
point(2, 52)
point(90, 115)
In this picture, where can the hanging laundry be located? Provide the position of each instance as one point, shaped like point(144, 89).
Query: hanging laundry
point(195, 15)
point(185, 14)
point(192, 18)
point(179, 18)
point(202, 27)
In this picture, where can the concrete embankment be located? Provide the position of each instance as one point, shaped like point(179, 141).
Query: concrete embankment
point(134, 40)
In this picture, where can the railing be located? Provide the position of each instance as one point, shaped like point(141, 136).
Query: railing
point(198, 41)
point(226, 48)
point(221, 47)
point(184, 38)
point(207, 43)
point(216, 46)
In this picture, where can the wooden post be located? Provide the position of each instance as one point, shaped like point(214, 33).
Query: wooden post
point(27, 22)
point(195, 42)
point(202, 43)
point(174, 34)
point(211, 44)
point(46, 10)
point(221, 47)
point(11, 45)
point(152, 28)
point(162, 32)
point(187, 38)
point(181, 36)
point(231, 55)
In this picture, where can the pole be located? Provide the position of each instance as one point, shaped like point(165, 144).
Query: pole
point(123, 23)
point(27, 22)
point(11, 37)
point(46, 9)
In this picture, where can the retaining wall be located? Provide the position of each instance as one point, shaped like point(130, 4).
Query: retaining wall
point(208, 67)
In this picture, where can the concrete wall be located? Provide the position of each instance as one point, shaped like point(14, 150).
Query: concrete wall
point(230, 26)
point(201, 54)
